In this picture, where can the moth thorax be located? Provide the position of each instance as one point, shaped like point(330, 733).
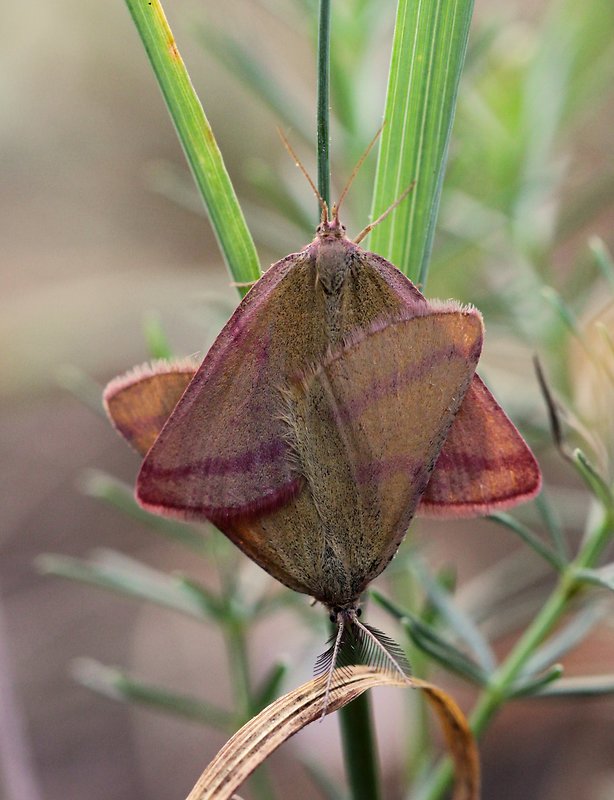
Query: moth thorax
point(332, 265)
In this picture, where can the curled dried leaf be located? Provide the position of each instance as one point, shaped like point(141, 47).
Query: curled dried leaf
point(263, 734)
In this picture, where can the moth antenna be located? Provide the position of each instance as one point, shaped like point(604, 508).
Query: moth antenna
point(361, 161)
point(385, 647)
point(299, 164)
point(383, 216)
point(331, 657)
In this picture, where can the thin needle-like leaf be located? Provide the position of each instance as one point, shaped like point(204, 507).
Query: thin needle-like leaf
point(593, 479)
point(564, 640)
point(585, 686)
point(427, 639)
point(459, 622)
point(534, 685)
point(550, 518)
point(596, 578)
point(528, 537)
point(109, 570)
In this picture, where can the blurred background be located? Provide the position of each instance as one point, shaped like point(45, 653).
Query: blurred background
point(104, 242)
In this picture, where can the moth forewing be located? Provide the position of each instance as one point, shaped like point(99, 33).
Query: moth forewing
point(383, 405)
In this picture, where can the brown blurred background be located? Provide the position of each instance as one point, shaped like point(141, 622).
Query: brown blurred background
point(88, 251)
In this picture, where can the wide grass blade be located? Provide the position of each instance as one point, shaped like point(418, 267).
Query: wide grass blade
point(199, 144)
point(428, 52)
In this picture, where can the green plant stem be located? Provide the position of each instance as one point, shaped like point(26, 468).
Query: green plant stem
point(323, 112)
point(359, 749)
point(496, 694)
point(239, 669)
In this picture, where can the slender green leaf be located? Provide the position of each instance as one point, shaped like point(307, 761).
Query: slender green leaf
point(118, 494)
point(563, 310)
point(593, 479)
point(209, 604)
point(428, 52)
point(110, 570)
point(535, 684)
point(527, 536)
point(564, 640)
point(430, 642)
point(459, 622)
point(552, 522)
point(446, 578)
point(119, 685)
point(197, 139)
point(585, 686)
point(595, 578)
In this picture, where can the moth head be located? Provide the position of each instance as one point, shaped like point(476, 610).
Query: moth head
point(331, 228)
point(346, 614)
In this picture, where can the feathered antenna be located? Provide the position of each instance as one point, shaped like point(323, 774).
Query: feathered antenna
point(357, 643)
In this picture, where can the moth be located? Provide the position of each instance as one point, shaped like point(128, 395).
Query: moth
point(335, 403)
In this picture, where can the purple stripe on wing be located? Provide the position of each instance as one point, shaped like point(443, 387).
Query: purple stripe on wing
point(247, 461)
point(397, 381)
point(266, 503)
point(475, 463)
point(377, 471)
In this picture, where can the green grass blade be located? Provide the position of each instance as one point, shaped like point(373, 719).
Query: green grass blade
point(197, 140)
point(428, 52)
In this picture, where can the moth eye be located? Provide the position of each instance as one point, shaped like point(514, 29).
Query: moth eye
point(359, 612)
point(332, 616)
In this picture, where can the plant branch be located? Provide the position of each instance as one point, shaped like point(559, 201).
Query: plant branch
point(497, 692)
point(323, 113)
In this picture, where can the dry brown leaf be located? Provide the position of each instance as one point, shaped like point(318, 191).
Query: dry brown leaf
point(263, 734)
